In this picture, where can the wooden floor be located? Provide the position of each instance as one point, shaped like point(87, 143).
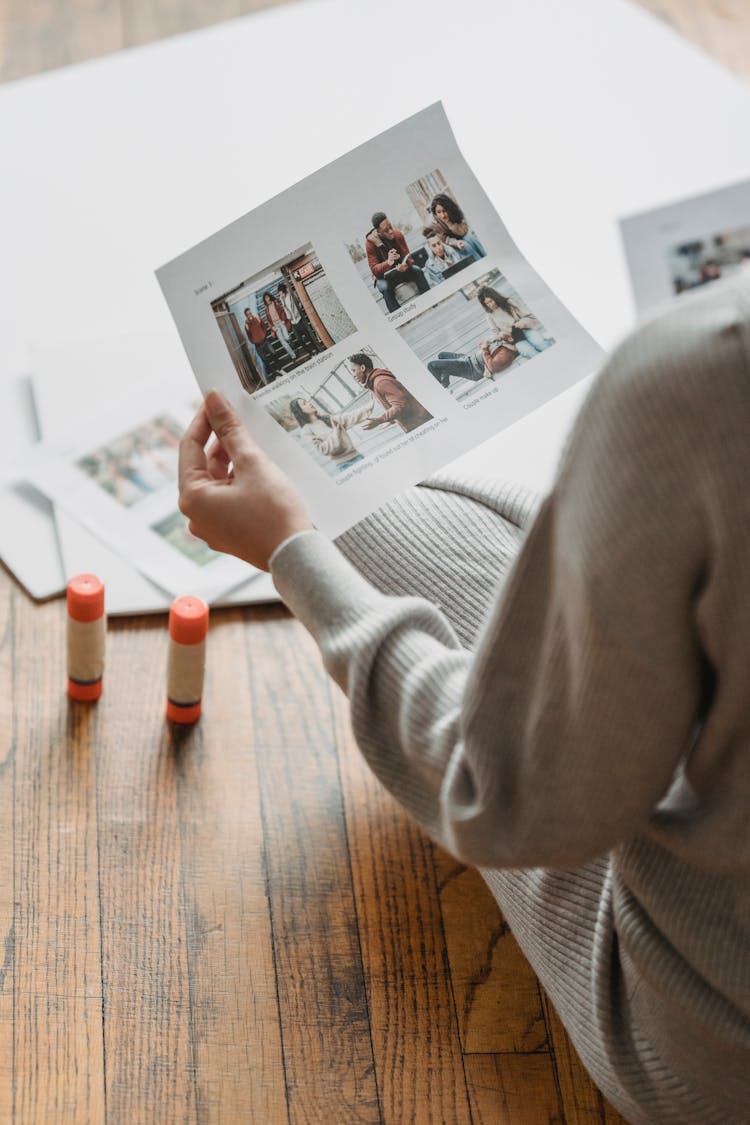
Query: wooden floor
point(236, 923)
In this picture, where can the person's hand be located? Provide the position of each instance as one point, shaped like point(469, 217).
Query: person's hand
point(236, 499)
point(403, 267)
point(393, 257)
point(460, 244)
point(371, 423)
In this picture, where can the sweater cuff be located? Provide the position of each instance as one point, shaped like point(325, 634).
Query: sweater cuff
point(317, 583)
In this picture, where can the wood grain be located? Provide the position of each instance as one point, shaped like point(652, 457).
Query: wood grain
point(58, 1052)
point(720, 27)
point(580, 1099)
point(144, 21)
point(38, 35)
point(234, 1023)
point(9, 594)
point(41, 34)
point(508, 1089)
point(496, 991)
point(415, 1037)
point(323, 1009)
point(149, 1072)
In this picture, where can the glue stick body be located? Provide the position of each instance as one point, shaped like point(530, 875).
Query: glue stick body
point(188, 626)
point(87, 627)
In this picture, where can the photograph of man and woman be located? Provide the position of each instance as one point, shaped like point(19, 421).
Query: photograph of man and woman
point(702, 260)
point(482, 330)
point(138, 463)
point(414, 242)
point(275, 321)
point(357, 409)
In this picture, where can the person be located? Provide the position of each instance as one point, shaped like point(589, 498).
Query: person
point(278, 323)
point(390, 261)
point(507, 322)
point(485, 362)
point(330, 432)
point(440, 255)
point(582, 732)
point(450, 219)
point(256, 344)
point(298, 329)
point(399, 404)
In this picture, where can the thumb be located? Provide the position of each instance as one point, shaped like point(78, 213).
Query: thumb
point(226, 424)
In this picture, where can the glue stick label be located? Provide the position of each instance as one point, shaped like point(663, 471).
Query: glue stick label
point(185, 672)
point(86, 650)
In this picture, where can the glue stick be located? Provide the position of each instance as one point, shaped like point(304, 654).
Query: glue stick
point(86, 632)
point(188, 626)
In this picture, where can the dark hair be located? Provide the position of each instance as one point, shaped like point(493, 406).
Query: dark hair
point(377, 219)
point(246, 310)
point(268, 293)
point(283, 286)
point(362, 359)
point(430, 232)
point(501, 302)
point(455, 214)
point(301, 417)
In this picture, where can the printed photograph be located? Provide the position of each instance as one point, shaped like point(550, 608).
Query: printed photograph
point(413, 242)
point(275, 321)
point(138, 463)
point(347, 414)
point(173, 529)
point(476, 334)
point(708, 259)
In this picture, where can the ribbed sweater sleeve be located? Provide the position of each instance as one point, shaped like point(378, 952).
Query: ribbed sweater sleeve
point(557, 738)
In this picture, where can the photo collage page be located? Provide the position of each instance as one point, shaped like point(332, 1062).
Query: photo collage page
point(296, 349)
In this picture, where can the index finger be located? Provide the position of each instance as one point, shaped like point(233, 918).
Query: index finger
point(192, 452)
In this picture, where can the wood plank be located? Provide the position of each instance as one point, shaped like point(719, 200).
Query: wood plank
point(58, 1065)
point(236, 1039)
point(323, 1011)
point(144, 20)
point(508, 1089)
point(146, 1002)
point(414, 1030)
point(719, 27)
point(495, 988)
point(39, 34)
point(8, 595)
point(582, 1102)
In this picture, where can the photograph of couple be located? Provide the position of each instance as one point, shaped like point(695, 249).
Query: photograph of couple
point(416, 242)
point(476, 334)
point(277, 320)
point(358, 409)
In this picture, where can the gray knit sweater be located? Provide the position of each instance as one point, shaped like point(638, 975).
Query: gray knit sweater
point(600, 730)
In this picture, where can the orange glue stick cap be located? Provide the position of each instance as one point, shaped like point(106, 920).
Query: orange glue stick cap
point(84, 693)
point(85, 597)
point(184, 715)
point(188, 620)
